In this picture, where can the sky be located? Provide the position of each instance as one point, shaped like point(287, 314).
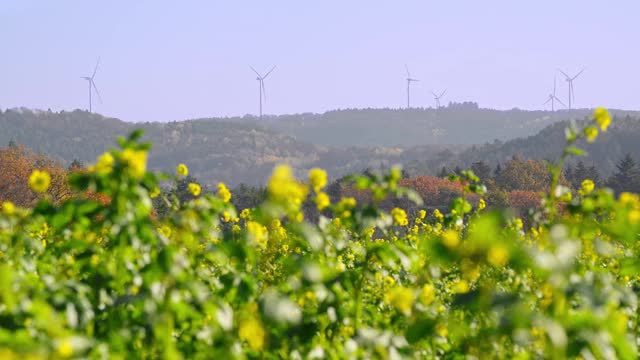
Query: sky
point(165, 60)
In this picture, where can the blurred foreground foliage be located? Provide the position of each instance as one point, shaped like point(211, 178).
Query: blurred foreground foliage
point(107, 276)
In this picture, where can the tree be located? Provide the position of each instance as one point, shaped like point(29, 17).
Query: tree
point(519, 174)
point(16, 164)
point(627, 178)
point(482, 170)
point(580, 174)
point(594, 174)
point(443, 173)
point(76, 165)
point(247, 197)
point(497, 171)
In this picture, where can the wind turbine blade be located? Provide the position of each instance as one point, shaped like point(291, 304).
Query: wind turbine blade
point(435, 95)
point(546, 102)
point(578, 74)
point(441, 95)
point(254, 70)
point(95, 69)
point(407, 68)
point(96, 89)
point(264, 77)
point(264, 91)
point(560, 101)
point(565, 74)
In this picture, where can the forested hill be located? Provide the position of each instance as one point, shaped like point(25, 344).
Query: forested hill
point(610, 147)
point(464, 124)
point(238, 151)
point(215, 150)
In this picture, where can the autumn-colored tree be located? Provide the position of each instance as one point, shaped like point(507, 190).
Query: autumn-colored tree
point(433, 190)
point(519, 174)
point(17, 164)
point(522, 199)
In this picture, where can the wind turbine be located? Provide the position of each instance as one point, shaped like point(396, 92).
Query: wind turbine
point(438, 97)
point(570, 79)
point(92, 84)
point(553, 98)
point(409, 80)
point(263, 92)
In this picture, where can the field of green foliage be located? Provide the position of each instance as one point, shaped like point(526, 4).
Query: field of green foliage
point(101, 276)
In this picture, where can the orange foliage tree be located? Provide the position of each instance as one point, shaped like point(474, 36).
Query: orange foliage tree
point(16, 165)
point(523, 199)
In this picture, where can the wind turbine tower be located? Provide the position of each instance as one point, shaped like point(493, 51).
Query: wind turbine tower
point(92, 84)
point(570, 80)
point(263, 92)
point(438, 97)
point(553, 98)
point(409, 81)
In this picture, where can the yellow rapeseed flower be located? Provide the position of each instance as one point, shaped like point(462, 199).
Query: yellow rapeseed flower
point(602, 117)
point(461, 287)
point(587, 187)
point(482, 204)
point(428, 294)
point(194, 189)
point(8, 208)
point(322, 201)
point(165, 230)
point(286, 191)
point(388, 281)
point(317, 178)
point(438, 215)
point(39, 181)
point(155, 192)
point(591, 132)
point(257, 234)
point(224, 193)
point(245, 214)
point(498, 255)
point(182, 170)
point(251, 331)
point(104, 164)
point(450, 239)
point(64, 348)
point(422, 214)
point(399, 217)
point(628, 198)
point(401, 298)
point(136, 161)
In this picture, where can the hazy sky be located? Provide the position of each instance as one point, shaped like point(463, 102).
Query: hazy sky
point(173, 60)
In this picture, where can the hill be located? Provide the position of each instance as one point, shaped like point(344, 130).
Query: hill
point(461, 124)
point(215, 150)
point(238, 150)
point(611, 146)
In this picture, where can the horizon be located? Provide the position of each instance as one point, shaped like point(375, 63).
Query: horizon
point(269, 117)
point(352, 56)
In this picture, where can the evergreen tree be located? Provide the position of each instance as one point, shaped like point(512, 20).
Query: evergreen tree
point(482, 170)
point(569, 173)
point(497, 171)
point(579, 174)
point(627, 178)
point(594, 174)
point(76, 165)
point(443, 173)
